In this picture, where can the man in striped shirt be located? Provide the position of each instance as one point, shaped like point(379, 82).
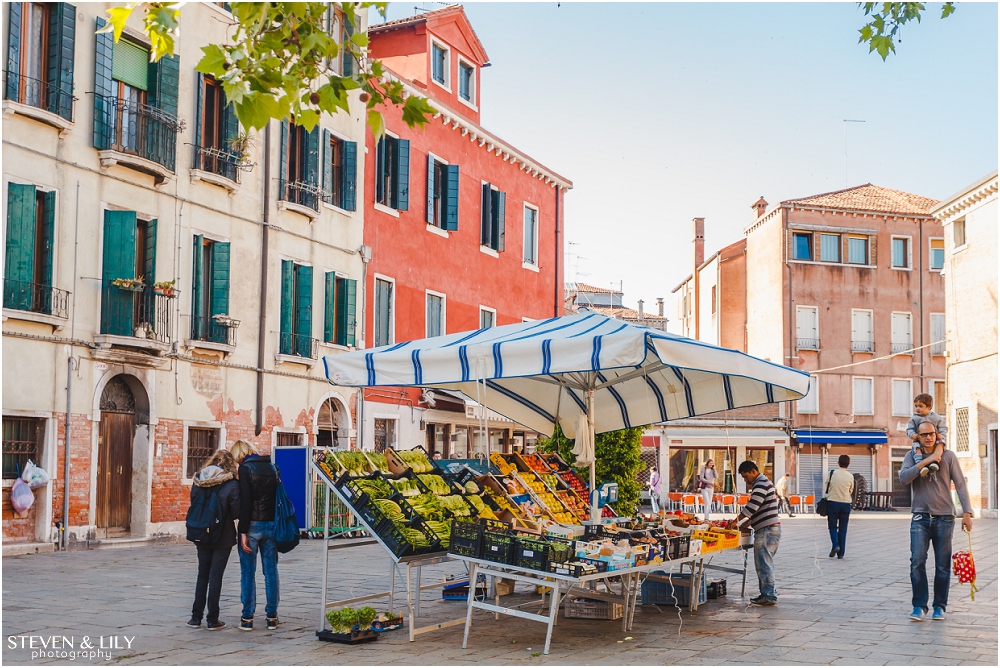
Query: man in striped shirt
point(761, 513)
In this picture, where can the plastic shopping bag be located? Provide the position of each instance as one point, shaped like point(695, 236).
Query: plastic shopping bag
point(34, 475)
point(21, 496)
point(965, 568)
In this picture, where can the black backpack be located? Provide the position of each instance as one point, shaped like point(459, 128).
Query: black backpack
point(205, 518)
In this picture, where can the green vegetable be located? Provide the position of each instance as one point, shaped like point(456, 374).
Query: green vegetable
point(471, 487)
point(343, 620)
point(435, 483)
point(416, 460)
point(366, 616)
point(375, 488)
point(380, 461)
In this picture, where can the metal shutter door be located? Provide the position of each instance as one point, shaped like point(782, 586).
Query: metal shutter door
point(811, 474)
point(859, 464)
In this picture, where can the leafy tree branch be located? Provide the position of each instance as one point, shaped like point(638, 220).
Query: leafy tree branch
point(881, 32)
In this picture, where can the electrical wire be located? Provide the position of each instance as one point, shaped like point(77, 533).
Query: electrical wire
point(878, 359)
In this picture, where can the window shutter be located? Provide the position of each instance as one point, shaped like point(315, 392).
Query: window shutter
point(347, 60)
point(14, 50)
point(402, 181)
point(232, 122)
point(199, 114)
point(20, 253)
point(220, 279)
point(287, 308)
point(149, 270)
point(283, 163)
point(501, 219)
point(327, 182)
point(451, 197)
point(349, 175)
point(330, 304)
point(312, 157)
point(303, 310)
point(130, 64)
point(103, 58)
point(486, 233)
point(341, 309)
point(199, 326)
point(47, 238)
point(380, 194)
point(350, 290)
point(430, 188)
point(118, 262)
point(62, 40)
point(164, 82)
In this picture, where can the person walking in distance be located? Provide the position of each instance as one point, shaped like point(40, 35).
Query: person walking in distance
point(761, 514)
point(933, 520)
point(781, 489)
point(654, 489)
point(838, 504)
point(258, 486)
point(706, 485)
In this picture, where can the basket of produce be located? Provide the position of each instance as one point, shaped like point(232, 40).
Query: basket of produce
point(505, 467)
point(386, 621)
point(369, 509)
point(555, 462)
point(416, 460)
point(574, 569)
point(465, 538)
point(378, 461)
point(497, 542)
point(356, 464)
point(536, 463)
point(373, 485)
point(407, 484)
point(350, 626)
point(530, 551)
point(436, 483)
point(575, 482)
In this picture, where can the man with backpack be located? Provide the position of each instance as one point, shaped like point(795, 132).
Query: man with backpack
point(215, 504)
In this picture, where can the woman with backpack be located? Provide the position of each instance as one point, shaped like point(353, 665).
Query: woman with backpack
point(215, 544)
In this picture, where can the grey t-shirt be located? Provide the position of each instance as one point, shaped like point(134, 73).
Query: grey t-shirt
point(932, 494)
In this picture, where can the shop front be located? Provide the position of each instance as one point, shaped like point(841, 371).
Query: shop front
point(457, 428)
point(816, 452)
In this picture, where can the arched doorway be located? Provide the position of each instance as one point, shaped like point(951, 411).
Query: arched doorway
point(114, 457)
point(329, 423)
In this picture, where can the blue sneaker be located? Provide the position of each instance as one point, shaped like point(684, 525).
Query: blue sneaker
point(917, 615)
point(938, 615)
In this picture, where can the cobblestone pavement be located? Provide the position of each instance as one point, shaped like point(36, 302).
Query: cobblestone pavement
point(833, 612)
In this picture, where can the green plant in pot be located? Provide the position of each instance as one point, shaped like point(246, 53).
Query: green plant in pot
point(366, 616)
point(343, 620)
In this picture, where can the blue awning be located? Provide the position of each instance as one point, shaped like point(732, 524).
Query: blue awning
point(837, 436)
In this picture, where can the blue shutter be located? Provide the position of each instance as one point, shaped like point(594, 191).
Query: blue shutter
point(312, 157)
point(451, 197)
point(199, 113)
point(486, 231)
point(62, 41)
point(430, 189)
point(349, 176)
point(499, 219)
point(118, 261)
point(303, 310)
point(380, 194)
point(283, 163)
point(330, 305)
point(103, 108)
point(19, 265)
point(402, 180)
point(199, 323)
point(14, 51)
point(327, 183)
point(347, 60)
point(350, 316)
point(287, 308)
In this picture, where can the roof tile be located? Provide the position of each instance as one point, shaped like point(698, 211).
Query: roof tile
point(870, 198)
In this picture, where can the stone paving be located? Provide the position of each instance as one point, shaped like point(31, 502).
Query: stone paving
point(830, 612)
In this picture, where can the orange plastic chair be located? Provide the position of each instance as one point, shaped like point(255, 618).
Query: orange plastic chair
point(676, 499)
point(687, 502)
point(795, 502)
point(742, 500)
point(808, 502)
point(728, 503)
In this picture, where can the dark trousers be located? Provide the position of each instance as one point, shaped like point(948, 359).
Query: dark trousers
point(211, 566)
point(837, 516)
point(784, 506)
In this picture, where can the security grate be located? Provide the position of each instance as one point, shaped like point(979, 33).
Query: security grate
point(202, 444)
point(961, 430)
point(20, 443)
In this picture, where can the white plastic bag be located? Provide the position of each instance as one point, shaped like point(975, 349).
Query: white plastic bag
point(34, 475)
point(21, 496)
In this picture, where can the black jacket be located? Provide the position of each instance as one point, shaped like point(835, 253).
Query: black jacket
point(258, 484)
point(213, 478)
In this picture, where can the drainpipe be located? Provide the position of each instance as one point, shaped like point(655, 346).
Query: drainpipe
point(920, 291)
point(791, 313)
point(558, 288)
point(262, 328)
point(64, 530)
point(359, 417)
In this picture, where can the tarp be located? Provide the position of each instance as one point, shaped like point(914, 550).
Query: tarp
point(838, 436)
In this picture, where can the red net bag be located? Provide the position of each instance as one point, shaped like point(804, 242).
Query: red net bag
point(965, 568)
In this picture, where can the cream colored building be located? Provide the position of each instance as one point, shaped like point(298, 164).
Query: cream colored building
point(183, 285)
point(970, 273)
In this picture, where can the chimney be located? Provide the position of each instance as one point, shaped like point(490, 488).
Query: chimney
point(699, 241)
point(759, 207)
point(659, 306)
point(642, 314)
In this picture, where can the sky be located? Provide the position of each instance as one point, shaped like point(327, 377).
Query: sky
point(663, 112)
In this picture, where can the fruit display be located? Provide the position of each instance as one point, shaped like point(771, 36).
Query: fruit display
point(552, 480)
point(575, 482)
point(533, 482)
point(505, 467)
point(536, 463)
point(435, 483)
point(416, 460)
point(574, 503)
point(513, 486)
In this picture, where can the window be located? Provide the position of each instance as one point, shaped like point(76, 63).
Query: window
point(938, 334)
point(530, 234)
point(22, 440)
point(40, 56)
point(27, 280)
point(492, 228)
point(287, 439)
point(340, 172)
point(439, 64)
point(937, 391)
point(392, 172)
point(435, 314)
point(217, 147)
point(210, 292)
point(807, 328)
point(863, 400)
point(442, 194)
point(901, 252)
point(340, 321)
point(384, 308)
point(385, 433)
point(958, 232)
point(902, 334)
point(299, 170)
point(487, 317)
point(802, 245)
point(201, 445)
point(857, 250)
point(810, 402)
point(713, 298)
point(829, 247)
point(862, 332)
point(937, 254)
point(295, 336)
point(129, 254)
point(902, 397)
point(466, 82)
point(961, 432)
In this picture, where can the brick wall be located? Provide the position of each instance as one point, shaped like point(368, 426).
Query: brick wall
point(169, 496)
point(18, 529)
point(762, 412)
point(81, 431)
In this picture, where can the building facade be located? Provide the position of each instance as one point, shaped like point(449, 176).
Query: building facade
point(466, 231)
point(170, 280)
point(970, 274)
point(583, 297)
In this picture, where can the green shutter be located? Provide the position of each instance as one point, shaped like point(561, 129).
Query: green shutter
point(48, 239)
point(20, 254)
point(118, 262)
point(13, 51)
point(149, 269)
point(199, 113)
point(486, 229)
point(451, 197)
point(349, 175)
point(380, 171)
point(198, 324)
point(103, 108)
point(312, 158)
point(283, 163)
point(347, 60)
point(232, 122)
point(500, 215)
point(348, 311)
point(326, 184)
point(164, 82)
point(330, 305)
point(220, 278)
point(131, 65)
point(303, 310)
point(430, 188)
point(287, 307)
point(402, 180)
point(62, 41)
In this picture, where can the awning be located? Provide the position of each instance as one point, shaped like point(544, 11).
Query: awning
point(839, 436)
point(716, 437)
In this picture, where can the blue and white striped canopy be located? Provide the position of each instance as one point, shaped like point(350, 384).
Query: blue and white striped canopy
point(538, 373)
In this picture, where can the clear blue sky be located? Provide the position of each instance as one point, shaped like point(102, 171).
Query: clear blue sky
point(662, 112)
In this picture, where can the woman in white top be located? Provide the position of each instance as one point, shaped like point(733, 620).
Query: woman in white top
point(838, 504)
point(706, 485)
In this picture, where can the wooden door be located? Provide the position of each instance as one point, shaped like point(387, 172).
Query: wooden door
point(114, 471)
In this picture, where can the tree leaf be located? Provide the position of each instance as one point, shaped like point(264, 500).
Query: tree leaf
point(376, 123)
point(117, 16)
point(213, 62)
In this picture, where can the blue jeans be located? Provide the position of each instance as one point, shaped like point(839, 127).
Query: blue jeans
point(261, 539)
point(765, 545)
point(653, 498)
point(837, 517)
point(925, 530)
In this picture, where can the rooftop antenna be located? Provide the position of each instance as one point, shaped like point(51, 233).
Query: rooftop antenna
point(846, 121)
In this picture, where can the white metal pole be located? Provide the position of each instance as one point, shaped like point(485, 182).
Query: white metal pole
point(595, 512)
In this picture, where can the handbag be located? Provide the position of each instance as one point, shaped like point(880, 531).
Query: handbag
point(965, 568)
point(286, 525)
point(821, 508)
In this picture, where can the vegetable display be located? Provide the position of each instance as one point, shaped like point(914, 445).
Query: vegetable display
point(376, 488)
point(416, 460)
point(406, 487)
point(380, 461)
point(346, 619)
point(435, 483)
point(355, 463)
point(471, 487)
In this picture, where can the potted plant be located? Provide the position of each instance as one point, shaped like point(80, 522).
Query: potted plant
point(350, 626)
point(239, 148)
point(133, 284)
point(223, 320)
point(165, 288)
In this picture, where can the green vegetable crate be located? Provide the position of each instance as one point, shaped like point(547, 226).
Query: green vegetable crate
point(465, 538)
point(497, 542)
point(355, 637)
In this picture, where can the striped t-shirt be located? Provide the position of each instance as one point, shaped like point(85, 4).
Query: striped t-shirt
point(762, 508)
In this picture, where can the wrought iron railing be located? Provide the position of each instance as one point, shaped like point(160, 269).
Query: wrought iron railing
point(807, 344)
point(217, 161)
point(863, 346)
point(139, 312)
point(902, 347)
point(37, 93)
point(129, 127)
point(302, 193)
point(298, 344)
point(205, 328)
point(35, 297)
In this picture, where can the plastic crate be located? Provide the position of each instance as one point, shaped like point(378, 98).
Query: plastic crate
point(582, 608)
point(366, 509)
point(683, 545)
point(393, 539)
point(530, 552)
point(465, 539)
point(497, 542)
point(574, 570)
point(717, 589)
point(675, 592)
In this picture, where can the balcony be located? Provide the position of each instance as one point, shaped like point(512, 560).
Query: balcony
point(300, 197)
point(213, 333)
point(136, 135)
point(297, 348)
point(35, 302)
point(807, 344)
point(218, 167)
point(862, 346)
point(902, 348)
point(40, 100)
point(135, 315)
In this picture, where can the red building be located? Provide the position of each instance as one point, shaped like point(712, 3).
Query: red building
point(466, 231)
